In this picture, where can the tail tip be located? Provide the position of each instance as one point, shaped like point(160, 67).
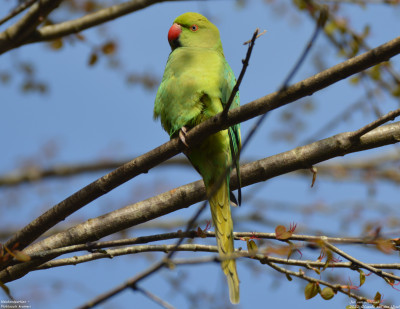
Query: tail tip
point(234, 294)
point(235, 298)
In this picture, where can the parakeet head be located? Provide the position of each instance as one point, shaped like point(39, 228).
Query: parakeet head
point(194, 30)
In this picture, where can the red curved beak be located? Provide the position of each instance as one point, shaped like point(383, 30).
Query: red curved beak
point(174, 32)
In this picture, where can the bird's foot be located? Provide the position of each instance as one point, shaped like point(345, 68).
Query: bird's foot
point(182, 135)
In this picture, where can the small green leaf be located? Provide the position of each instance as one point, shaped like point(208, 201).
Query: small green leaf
point(252, 247)
point(362, 277)
point(327, 293)
point(377, 299)
point(311, 290)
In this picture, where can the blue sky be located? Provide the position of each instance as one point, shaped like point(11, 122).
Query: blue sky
point(90, 113)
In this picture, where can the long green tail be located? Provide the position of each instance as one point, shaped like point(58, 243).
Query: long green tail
point(222, 219)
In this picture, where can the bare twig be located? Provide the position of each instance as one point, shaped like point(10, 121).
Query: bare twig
point(319, 25)
point(333, 122)
point(153, 297)
point(351, 35)
point(52, 32)
point(369, 127)
point(323, 15)
point(284, 261)
point(21, 7)
point(35, 173)
point(93, 246)
point(16, 34)
point(111, 253)
point(336, 287)
point(372, 269)
point(242, 72)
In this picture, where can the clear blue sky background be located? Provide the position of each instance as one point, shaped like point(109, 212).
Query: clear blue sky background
point(91, 113)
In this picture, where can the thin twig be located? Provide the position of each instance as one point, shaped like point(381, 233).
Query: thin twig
point(377, 272)
point(284, 261)
point(336, 287)
point(319, 25)
point(21, 7)
point(378, 122)
point(153, 297)
point(323, 14)
point(333, 122)
point(52, 32)
point(21, 30)
point(111, 253)
point(93, 246)
point(36, 173)
point(242, 72)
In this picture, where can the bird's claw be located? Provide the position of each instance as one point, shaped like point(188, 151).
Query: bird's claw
point(182, 135)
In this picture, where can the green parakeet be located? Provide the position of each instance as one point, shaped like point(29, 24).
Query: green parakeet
point(196, 85)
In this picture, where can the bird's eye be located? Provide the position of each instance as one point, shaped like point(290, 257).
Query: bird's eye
point(194, 28)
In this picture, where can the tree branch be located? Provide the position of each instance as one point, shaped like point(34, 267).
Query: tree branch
point(385, 118)
point(348, 257)
point(336, 287)
point(36, 173)
point(16, 34)
point(153, 297)
point(52, 32)
point(111, 253)
point(245, 62)
point(20, 8)
point(192, 235)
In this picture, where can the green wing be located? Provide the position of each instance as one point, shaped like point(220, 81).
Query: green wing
point(234, 131)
